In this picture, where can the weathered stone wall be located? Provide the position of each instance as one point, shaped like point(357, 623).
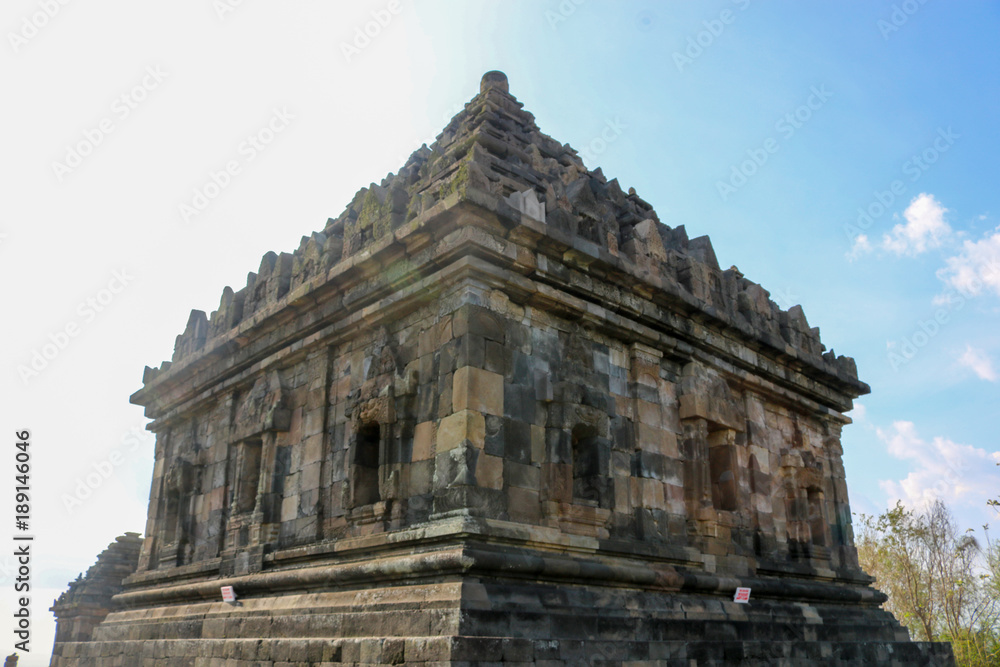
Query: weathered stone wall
point(507, 412)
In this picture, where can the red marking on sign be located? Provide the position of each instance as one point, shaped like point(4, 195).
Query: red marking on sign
point(229, 595)
point(742, 595)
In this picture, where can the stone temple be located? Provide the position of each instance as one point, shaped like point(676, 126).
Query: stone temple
point(494, 413)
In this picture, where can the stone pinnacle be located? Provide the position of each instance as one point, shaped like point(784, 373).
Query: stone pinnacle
point(494, 79)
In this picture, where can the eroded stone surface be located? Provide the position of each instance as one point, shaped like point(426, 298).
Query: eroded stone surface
point(495, 412)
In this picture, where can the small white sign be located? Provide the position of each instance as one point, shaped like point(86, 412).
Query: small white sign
point(228, 594)
point(742, 595)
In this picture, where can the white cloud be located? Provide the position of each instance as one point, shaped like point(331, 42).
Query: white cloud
point(942, 469)
point(925, 227)
point(859, 412)
point(979, 362)
point(861, 246)
point(977, 268)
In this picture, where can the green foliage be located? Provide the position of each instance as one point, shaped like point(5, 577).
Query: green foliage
point(994, 502)
point(943, 584)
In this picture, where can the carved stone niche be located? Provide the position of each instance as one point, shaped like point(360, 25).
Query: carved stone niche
point(373, 492)
point(714, 425)
point(262, 409)
point(179, 482)
point(253, 512)
point(577, 495)
point(372, 486)
point(806, 521)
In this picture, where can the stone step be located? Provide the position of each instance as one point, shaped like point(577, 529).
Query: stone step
point(469, 651)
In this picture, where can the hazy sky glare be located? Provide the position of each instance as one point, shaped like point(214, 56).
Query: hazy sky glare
point(199, 79)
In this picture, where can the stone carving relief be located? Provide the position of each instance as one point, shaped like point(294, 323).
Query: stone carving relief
point(262, 409)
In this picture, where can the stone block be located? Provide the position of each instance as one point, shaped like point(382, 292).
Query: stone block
point(290, 508)
point(716, 412)
point(456, 466)
point(312, 450)
point(494, 443)
point(480, 321)
point(470, 351)
point(517, 440)
point(460, 427)
point(479, 390)
point(490, 471)
point(525, 476)
point(494, 357)
point(523, 505)
point(537, 443)
point(427, 649)
point(424, 436)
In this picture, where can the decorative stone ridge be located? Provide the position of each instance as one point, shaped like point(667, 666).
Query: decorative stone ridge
point(88, 599)
point(496, 412)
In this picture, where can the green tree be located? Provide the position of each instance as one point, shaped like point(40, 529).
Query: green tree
point(942, 583)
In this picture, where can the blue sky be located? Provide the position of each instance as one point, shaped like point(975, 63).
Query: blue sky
point(670, 98)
